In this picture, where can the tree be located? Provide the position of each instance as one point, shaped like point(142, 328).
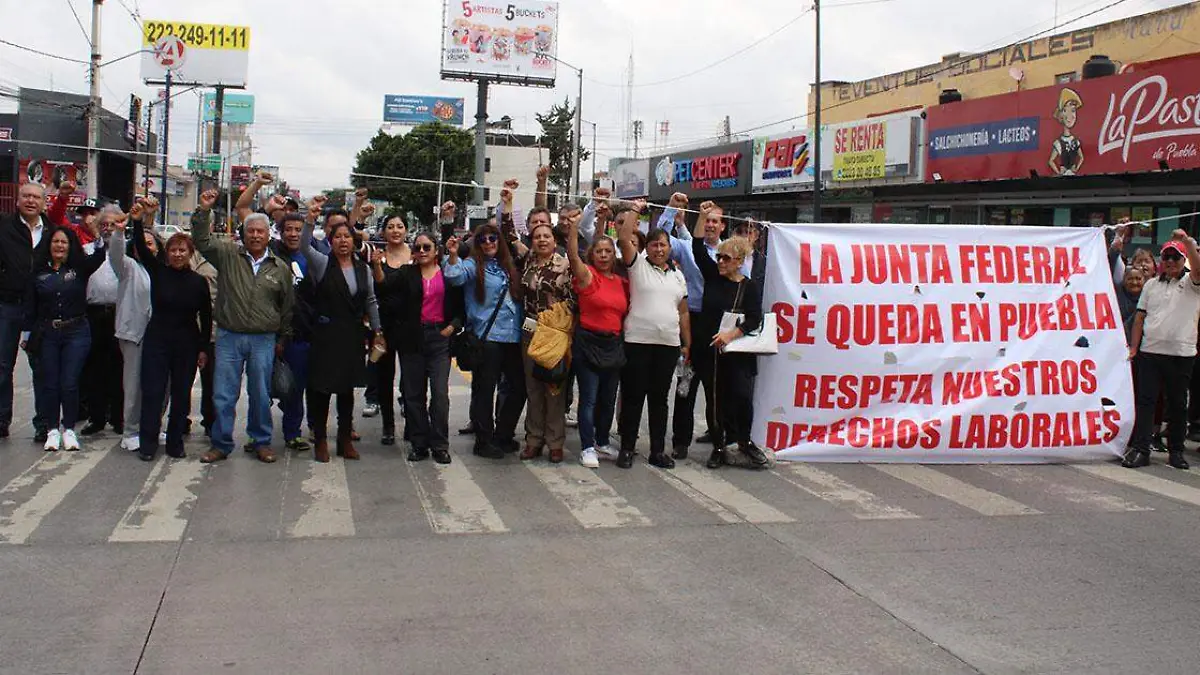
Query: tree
point(416, 155)
point(558, 132)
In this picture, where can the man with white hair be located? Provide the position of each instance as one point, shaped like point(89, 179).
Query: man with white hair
point(254, 315)
point(102, 380)
point(24, 245)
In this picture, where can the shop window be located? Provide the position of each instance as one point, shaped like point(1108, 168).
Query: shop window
point(1065, 78)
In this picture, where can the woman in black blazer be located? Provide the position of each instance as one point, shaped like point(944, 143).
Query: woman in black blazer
point(426, 312)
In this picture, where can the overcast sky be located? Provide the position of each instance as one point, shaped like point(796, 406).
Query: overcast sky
point(320, 70)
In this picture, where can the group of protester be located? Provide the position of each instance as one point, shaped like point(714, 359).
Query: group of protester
point(600, 301)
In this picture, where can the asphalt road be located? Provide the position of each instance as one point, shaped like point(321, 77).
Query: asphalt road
point(111, 565)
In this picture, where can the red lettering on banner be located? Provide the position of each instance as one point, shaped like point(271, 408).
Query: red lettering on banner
point(1026, 378)
point(1072, 312)
point(830, 266)
point(970, 323)
point(864, 325)
point(801, 332)
point(900, 264)
point(989, 264)
point(883, 433)
point(1035, 431)
point(848, 392)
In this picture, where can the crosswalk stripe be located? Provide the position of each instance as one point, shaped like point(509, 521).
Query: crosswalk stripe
point(328, 513)
point(727, 495)
point(593, 502)
point(1143, 481)
point(703, 501)
point(824, 485)
point(162, 508)
point(458, 505)
point(53, 476)
point(1094, 499)
point(964, 494)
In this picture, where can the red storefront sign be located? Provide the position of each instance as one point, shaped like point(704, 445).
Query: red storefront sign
point(1126, 123)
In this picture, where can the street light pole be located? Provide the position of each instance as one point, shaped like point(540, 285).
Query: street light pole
point(817, 122)
point(93, 110)
point(574, 188)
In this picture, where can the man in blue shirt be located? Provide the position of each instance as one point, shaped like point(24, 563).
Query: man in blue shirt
point(713, 218)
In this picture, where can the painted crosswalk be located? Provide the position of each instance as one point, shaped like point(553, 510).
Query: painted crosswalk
point(163, 502)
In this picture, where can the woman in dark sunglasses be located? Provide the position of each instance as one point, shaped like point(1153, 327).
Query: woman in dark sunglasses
point(492, 288)
point(386, 264)
point(425, 312)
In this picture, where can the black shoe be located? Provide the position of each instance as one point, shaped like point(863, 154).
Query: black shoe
point(92, 429)
point(4, 431)
point(441, 456)
point(716, 460)
point(705, 438)
point(1176, 460)
point(145, 456)
point(680, 453)
point(1135, 459)
point(118, 428)
point(176, 453)
point(625, 459)
point(468, 430)
point(509, 447)
point(40, 435)
point(757, 457)
point(1157, 444)
point(488, 452)
point(390, 439)
point(417, 454)
point(661, 460)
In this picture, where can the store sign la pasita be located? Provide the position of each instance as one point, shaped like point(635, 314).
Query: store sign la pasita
point(713, 172)
point(1148, 112)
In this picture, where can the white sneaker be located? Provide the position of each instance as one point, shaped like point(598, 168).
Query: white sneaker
point(572, 420)
point(589, 459)
point(53, 440)
point(162, 438)
point(131, 443)
point(69, 440)
point(607, 452)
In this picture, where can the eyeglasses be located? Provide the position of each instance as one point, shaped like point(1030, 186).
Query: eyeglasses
point(489, 239)
point(423, 248)
point(721, 257)
point(1171, 257)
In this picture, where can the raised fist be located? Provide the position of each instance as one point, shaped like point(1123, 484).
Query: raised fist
point(67, 187)
point(208, 199)
point(265, 177)
point(448, 210)
point(543, 172)
point(149, 204)
point(368, 210)
point(452, 246)
point(678, 200)
point(360, 195)
point(276, 203)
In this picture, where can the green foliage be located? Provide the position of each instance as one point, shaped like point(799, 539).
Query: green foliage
point(558, 130)
point(416, 155)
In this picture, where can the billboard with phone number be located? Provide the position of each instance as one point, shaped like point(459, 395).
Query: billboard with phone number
point(1139, 121)
point(504, 42)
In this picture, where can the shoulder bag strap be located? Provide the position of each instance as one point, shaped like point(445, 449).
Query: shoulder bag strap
point(496, 311)
point(737, 301)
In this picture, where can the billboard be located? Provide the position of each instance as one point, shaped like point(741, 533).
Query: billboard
point(195, 53)
point(238, 108)
point(416, 110)
point(708, 173)
point(1135, 122)
point(783, 163)
point(632, 179)
point(873, 149)
point(501, 41)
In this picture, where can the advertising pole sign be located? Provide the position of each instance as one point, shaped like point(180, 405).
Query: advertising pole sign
point(860, 152)
point(963, 351)
point(414, 110)
point(1140, 121)
point(509, 42)
point(238, 108)
point(197, 54)
point(723, 171)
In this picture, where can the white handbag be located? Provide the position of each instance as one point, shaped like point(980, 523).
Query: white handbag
point(765, 340)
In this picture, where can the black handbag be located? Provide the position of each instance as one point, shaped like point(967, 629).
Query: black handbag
point(467, 349)
point(602, 351)
point(283, 381)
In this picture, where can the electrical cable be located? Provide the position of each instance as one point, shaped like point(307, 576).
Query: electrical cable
point(78, 22)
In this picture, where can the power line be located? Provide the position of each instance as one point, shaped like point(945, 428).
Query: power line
point(78, 22)
point(136, 16)
point(42, 53)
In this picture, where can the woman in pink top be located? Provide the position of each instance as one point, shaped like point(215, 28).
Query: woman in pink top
point(598, 349)
point(428, 312)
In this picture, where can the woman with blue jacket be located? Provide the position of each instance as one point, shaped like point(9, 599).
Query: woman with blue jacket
point(492, 290)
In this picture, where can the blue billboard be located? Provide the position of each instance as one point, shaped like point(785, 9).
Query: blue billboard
point(422, 109)
point(238, 108)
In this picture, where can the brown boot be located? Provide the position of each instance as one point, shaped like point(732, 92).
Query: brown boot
point(321, 451)
point(345, 448)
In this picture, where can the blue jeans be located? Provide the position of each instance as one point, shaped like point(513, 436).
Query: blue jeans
point(64, 351)
point(11, 316)
point(296, 356)
point(597, 401)
point(254, 352)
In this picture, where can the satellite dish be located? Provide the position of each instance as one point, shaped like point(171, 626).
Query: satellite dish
point(1016, 73)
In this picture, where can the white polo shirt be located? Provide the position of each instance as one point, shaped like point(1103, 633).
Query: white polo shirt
point(654, 297)
point(1172, 310)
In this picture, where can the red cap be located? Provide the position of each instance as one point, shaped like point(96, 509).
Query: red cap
point(1176, 246)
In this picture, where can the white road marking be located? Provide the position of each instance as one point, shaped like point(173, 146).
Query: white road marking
point(703, 501)
point(52, 478)
point(827, 486)
point(162, 508)
point(728, 495)
point(593, 502)
point(1143, 481)
point(1093, 499)
point(328, 513)
point(454, 502)
point(964, 494)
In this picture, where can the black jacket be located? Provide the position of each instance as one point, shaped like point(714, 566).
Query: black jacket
point(401, 293)
point(18, 257)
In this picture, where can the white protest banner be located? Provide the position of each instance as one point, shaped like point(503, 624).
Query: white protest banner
point(943, 344)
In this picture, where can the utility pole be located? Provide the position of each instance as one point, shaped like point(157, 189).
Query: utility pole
point(437, 209)
point(480, 143)
point(93, 110)
point(166, 144)
point(218, 122)
point(817, 123)
point(574, 188)
point(726, 131)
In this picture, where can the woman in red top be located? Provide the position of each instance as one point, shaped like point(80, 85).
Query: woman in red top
point(599, 344)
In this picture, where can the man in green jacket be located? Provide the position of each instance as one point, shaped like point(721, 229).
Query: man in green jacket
point(254, 316)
